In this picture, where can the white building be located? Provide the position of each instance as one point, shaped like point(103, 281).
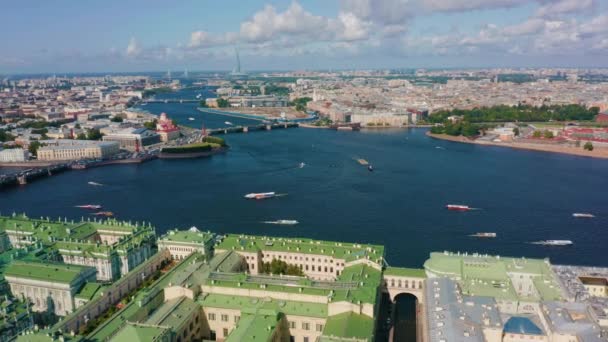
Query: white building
point(78, 149)
point(13, 155)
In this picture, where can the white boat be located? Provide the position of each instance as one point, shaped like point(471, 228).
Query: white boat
point(191, 119)
point(458, 207)
point(484, 235)
point(554, 242)
point(228, 123)
point(583, 215)
point(283, 222)
point(95, 184)
point(199, 96)
point(302, 165)
point(260, 195)
point(89, 206)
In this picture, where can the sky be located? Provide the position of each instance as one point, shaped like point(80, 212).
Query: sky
point(150, 35)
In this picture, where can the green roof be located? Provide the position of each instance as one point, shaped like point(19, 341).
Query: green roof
point(59, 273)
point(349, 325)
point(405, 272)
point(90, 290)
point(173, 313)
point(254, 328)
point(295, 308)
point(339, 250)
point(485, 275)
point(139, 332)
point(187, 236)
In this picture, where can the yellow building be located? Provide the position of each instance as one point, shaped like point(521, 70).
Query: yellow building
point(80, 150)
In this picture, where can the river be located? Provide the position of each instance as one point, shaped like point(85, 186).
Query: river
point(523, 196)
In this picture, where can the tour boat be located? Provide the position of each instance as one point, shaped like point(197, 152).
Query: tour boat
point(484, 235)
point(458, 207)
point(104, 213)
point(553, 242)
point(89, 206)
point(94, 184)
point(191, 119)
point(260, 195)
point(583, 215)
point(283, 222)
point(362, 162)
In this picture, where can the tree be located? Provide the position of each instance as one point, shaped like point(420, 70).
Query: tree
point(81, 136)
point(588, 146)
point(33, 147)
point(516, 131)
point(151, 125)
point(548, 134)
point(222, 103)
point(117, 119)
point(203, 104)
point(537, 134)
point(5, 136)
point(94, 134)
point(277, 266)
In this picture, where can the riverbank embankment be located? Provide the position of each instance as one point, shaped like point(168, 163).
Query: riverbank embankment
point(598, 152)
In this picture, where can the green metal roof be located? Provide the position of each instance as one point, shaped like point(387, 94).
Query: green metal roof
point(349, 325)
point(187, 236)
point(405, 272)
point(90, 290)
point(485, 275)
point(339, 250)
point(254, 328)
point(287, 307)
point(58, 273)
point(139, 332)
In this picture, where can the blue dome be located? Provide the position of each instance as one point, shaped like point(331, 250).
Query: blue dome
point(522, 325)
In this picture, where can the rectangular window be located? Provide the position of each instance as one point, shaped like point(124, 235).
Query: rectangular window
point(306, 326)
point(319, 327)
point(224, 318)
point(211, 316)
point(305, 338)
point(236, 319)
point(225, 332)
point(292, 325)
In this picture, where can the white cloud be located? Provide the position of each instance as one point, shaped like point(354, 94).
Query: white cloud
point(133, 49)
point(559, 7)
point(467, 5)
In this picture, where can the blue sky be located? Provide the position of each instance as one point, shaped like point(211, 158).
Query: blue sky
point(147, 35)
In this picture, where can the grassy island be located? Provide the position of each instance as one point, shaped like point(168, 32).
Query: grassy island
point(208, 144)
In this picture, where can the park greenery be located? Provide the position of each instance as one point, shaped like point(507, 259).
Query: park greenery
point(459, 128)
point(34, 146)
point(588, 146)
point(214, 140)
point(525, 113)
point(272, 89)
point(323, 121)
point(117, 119)
point(222, 103)
point(5, 136)
point(300, 103)
point(277, 266)
point(203, 104)
point(151, 124)
point(152, 92)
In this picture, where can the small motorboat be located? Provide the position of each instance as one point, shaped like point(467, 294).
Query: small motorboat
point(104, 213)
point(553, 242)
point(260, 195)
point(458, 207)
point(370, 168)
point(301, 166)
point(283, 222)
point(95, 184)
point(89, 206)
point(583, 215)
point(191, 119)
point(484, 235)
point(228, 123)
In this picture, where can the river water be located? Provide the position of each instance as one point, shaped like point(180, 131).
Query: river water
point(524, 196)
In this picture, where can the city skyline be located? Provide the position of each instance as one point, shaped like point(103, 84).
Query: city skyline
point(281, 35)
